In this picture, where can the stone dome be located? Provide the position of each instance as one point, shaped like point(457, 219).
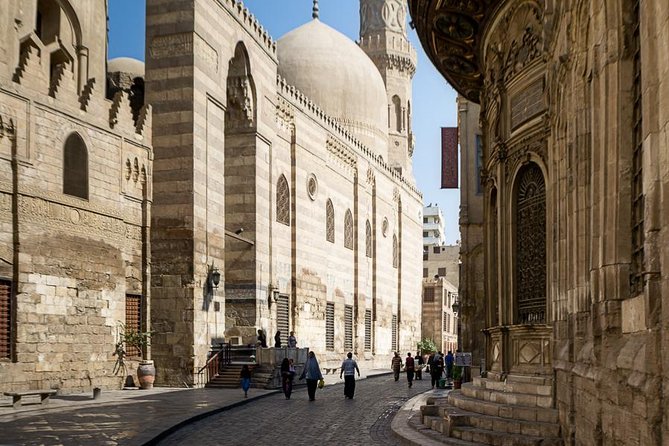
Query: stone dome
point(126, 65)
point(332, 71)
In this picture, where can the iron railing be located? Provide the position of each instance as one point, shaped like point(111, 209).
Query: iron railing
point(217, 360)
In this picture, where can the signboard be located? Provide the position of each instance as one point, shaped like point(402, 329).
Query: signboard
point(463, 359)
point(449, 158)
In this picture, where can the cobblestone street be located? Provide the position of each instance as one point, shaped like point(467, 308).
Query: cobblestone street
point(330, 420)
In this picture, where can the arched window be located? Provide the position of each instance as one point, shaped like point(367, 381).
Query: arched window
point(329, 222)
point(283, 201)
point(75, 167)
point(396, 256)
point(368, 239)
point(530, 246)
point(348, 229)
point(396, 110)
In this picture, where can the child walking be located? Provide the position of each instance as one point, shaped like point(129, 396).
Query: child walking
point(245, 376)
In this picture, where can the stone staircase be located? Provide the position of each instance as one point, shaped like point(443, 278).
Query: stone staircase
point(517, 411)
point(228, 378)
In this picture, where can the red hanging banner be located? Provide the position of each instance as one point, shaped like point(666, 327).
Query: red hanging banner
point(449, 157)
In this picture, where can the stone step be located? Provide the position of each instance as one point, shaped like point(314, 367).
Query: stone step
point(540, 380)
point(423, 433)
point(502, 439)
point(514, 398)
point(546, 415)
point(453, 416)
point(513, 387)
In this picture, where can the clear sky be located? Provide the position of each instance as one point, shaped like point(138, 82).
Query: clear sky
point(433, 99)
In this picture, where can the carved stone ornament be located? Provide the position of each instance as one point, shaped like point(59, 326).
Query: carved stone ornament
point(312, 186)
point(384, 227)
point(378, 15)
point(240, 113)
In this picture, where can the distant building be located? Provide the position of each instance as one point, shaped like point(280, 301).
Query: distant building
point(439, 321)
point(433, 226)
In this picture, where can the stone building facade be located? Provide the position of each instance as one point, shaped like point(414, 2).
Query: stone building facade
point(75, 193)
point(574, 99)
point(440, 323)
point(286, 167)
point(472, 267)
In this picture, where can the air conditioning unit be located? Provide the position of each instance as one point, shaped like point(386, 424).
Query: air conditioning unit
point(235, 340)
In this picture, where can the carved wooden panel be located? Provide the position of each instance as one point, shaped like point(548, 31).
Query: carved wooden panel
point(283, 201)
point(531, 246)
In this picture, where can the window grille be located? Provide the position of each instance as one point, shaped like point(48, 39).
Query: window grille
point(133, 320)
point(329, 222)
point(395, 252)
point(348, 327)
point(348, 229)
point(436, 249)
point(441, 272)
point(283, 201)
point(5, 319)
point(394, 333)
point(283, 317)
point(329, 326)
point(425, 272)
point(446, 323)
point(75, 167)
point(428, 294)
point(638, 236)
point(368, 239)
point(531, 246)
point(368, 330)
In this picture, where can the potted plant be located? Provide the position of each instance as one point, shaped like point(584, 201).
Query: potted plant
point(138, 341)
point(457, 377)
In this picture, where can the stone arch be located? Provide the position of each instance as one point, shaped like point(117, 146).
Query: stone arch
point(75, 166)
point(242, 107)
point(529, 223)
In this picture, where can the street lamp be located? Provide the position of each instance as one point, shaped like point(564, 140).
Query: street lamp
point(456, 306)
point(214, 277)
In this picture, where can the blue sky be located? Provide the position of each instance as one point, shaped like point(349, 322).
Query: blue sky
point(433, 99)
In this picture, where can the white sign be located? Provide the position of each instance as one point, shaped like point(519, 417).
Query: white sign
point(463, 359)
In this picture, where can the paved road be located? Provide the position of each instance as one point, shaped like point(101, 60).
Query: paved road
point(330, 420)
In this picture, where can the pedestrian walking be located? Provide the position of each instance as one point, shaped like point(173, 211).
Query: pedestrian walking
point(262, 339)
point(396, 365)
point(436, 368)
point(292, 340)
point(420, 365)
point(312, 373)
point(287, 375)
point(245, 376)
point(449, 364)
point(348, 369)
point(277, 339)
point(410, 367)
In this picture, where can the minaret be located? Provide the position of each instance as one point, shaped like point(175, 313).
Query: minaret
point(383, 36)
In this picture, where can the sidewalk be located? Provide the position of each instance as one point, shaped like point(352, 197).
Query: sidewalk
point(121, 417)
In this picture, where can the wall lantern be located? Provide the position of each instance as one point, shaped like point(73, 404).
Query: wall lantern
point(214, 277)
point(456, 306)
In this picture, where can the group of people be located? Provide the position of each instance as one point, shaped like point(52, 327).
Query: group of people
point(311, 373)
point(262, 339)
point(436, 364)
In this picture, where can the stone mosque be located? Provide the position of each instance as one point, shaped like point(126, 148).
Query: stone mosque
point(232, 184)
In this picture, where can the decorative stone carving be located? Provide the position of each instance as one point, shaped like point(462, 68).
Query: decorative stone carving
point(377, 15)
point(312, 186)
point(240, 111)
point(341, 152)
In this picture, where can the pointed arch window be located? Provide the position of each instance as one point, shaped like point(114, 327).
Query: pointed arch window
point(75, 167)
point(348, 229)
point(368, 239)
point(283, 201)
point(530, 215)
point(396, 256)
point(396, 117)
point(329, 222)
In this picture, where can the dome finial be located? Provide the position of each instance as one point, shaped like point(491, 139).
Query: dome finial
point(314, 11)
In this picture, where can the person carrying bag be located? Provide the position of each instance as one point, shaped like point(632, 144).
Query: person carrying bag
point(312, 373)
